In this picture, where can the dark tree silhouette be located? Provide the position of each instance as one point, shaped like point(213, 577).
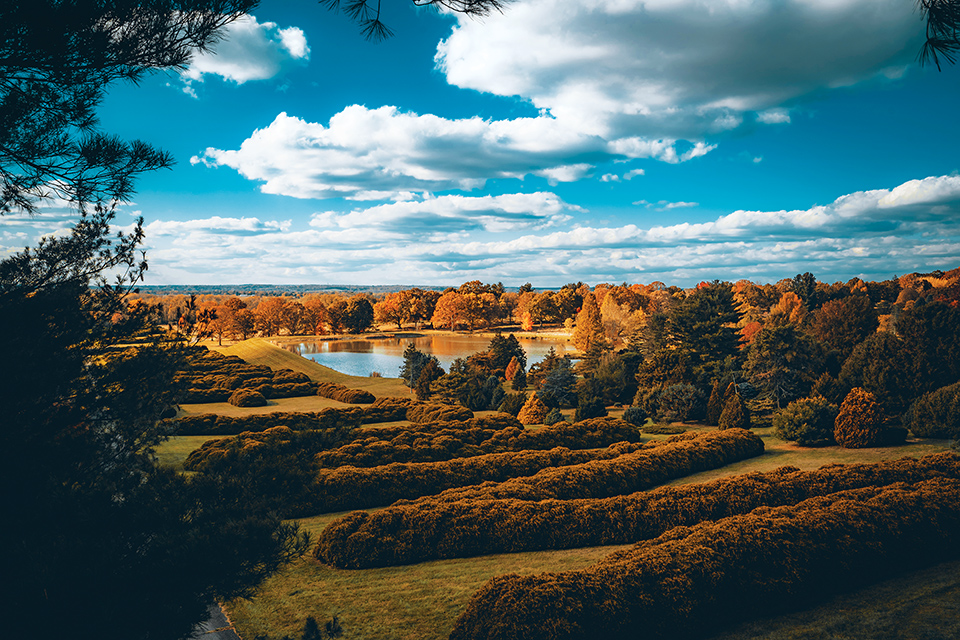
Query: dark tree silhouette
point(57, 59)
point(943, 40)
point(366, 13)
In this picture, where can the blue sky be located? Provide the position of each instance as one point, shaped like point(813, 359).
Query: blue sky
point(564, 140)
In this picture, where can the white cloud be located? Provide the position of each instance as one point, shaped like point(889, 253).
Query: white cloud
point(249, 51)
point(526, 237)
point(677, 68)
point(378, 154)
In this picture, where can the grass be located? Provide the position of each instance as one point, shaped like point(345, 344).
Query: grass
point(173, 451)
point(259, 351)
point(422, 602)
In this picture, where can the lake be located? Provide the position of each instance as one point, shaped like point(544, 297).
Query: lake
point(385, 355)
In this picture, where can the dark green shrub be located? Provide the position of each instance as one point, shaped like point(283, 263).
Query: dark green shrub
point(512, 403)
point(936, 414)
point(681, 403)
point(735, 414)
point(635, 416)
point(247, 398)
point(429, 412)
point(345, 394)
point(809, 422)
point(715, 404)
point(588, 408)
point(553, 417)
point(859, 423)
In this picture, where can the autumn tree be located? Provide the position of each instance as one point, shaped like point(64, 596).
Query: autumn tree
point(534, 411)
point(859, 423)
point(843, 324)
point(589, 327)
point(451, 311)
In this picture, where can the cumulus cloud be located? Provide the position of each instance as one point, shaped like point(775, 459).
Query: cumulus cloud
point(526, 237)
point(249, 51)
point(378, 154)
point(677, 68)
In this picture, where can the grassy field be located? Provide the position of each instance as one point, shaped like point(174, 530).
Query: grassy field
point(422, 601)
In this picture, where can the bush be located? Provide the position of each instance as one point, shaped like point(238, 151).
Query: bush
point(693, 580)
point(859, 423)
point(635, 416)
point(431, 530)
point(430, 412)
point(735, 414)
point(714, 404)
point(589, 408)
point(662, 429)
point(554, 417)
point(349, 488)
point(341, 393)
point(681, 403)
point(512, 403)
point(936, 414)
point(247, 398)
point(808, 421)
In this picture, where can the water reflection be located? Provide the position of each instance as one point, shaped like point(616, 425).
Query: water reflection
point(385, 355)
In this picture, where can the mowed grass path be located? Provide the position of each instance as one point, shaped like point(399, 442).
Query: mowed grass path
point(422, 601)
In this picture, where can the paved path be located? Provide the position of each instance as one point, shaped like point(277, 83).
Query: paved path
point(217, 627)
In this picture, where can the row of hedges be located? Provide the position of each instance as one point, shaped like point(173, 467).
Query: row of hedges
point(212, 377)
point(434, 412)
point(675, 457)
point(341, 393)
point(535, 475)
point(347, 488)
point(413, 445)
point(210, 424)
point(693, 581)
point(405, 534)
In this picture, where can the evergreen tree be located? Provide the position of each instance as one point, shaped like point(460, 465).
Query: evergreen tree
point(715, 404)
point(519, 382)
point(704, 325)
point(533, 411)
point(779, 362)
point(735, 414)
point(558, 388)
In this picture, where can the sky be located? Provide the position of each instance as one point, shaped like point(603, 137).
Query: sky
point(560, 141)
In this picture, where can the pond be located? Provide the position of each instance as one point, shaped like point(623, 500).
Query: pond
point(385, 355)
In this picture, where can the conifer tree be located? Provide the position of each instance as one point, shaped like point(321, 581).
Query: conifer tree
point(735, 414)
point(715, 404)
point(533, 411)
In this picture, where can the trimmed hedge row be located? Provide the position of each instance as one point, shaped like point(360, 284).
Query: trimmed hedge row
point(347, 488)
point(675, 457)
point(341, 393)
point(535, 475)
point(433, 412)
point(212, 377)
point(462, 440)
point(210, 424)
point(693, 581)
point(405, 534)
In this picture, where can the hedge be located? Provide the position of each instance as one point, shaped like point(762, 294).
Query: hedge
point(693, 581)
point(405, 534)
point(247, 398)
point(209, 424)
point(535, 475)
point(212, 377)
point(347, 488)
point(341, 393)
point(936, 414)
point(432, 412)
point(463, 440)
point(675, 457)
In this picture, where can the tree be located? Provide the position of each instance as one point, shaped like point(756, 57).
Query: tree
point(56, 62)
point(106, 543)
point(533, 412)
point(809, 422)
point(714, 404)
point(558, 387)
point(413, 362)
point(735, 414)
point(589, 328)
point(860, 421)
point(843, 324)
point(779, 361)
point(942, 40)
point(357, 316)
point(450, 311)
point(704, 325)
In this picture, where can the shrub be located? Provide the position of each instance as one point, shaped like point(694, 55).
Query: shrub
point(808, 421)
point(512, 403)
point(692, 580)
point(715, 404)
point(342, 393)
point(430, 530)
point(553, 417)
point(859, 423)
point(349, 488)
point(247, 398)
point(635, 416)
point(681, 403)
point(735, 414)
point(589, 408)
point(936, 414)
point(662, 429)
point(534, 411)
point(431, 412)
